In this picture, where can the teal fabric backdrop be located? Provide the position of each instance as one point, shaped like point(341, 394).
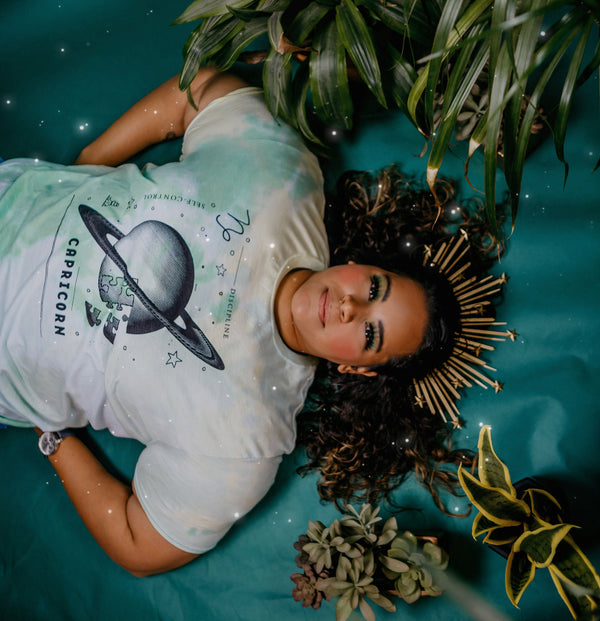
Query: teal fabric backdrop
point(68, 69)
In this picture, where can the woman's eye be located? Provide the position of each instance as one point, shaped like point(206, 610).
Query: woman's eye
point(375, 289)
point(370, 336)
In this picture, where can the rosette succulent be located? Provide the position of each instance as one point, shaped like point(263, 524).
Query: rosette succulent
point(358, 558)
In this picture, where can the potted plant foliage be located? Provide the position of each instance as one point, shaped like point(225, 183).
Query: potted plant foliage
point(530, 525)
point(356, 558)
point(479, 66)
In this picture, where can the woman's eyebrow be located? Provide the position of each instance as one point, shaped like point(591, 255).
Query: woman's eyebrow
point(380, 344)
point(387, 288)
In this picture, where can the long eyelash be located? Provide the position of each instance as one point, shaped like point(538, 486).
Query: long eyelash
point(375, 287)
point(370, 335)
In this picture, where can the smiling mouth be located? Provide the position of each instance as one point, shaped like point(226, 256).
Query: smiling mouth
point(324, 307)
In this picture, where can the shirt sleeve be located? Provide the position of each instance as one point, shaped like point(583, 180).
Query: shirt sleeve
point(192, 501)
point(241, 117)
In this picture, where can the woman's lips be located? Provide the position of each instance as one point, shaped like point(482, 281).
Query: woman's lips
point(324, 307)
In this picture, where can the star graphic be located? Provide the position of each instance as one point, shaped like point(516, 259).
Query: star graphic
point(512, 335)
point(173, 359)
point(420, 401)
point(498, 386)
point(221, 269)
point(504, 278)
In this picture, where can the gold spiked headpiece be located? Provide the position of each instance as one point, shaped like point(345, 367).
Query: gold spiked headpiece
point(438, 390)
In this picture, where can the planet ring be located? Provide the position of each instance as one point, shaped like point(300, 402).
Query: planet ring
point(191, 336)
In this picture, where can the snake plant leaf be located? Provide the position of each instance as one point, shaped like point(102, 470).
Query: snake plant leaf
point(566, 98)
point(571, 567)
point(519, 574)
point(481, 525)
point(491, 470)
point(329, 78)
point(501, 535)
point(208, 8)
point(305, 22)
point(540, 544)
point(230, 52)
point(356, 38)
point(543, 505)
point(580, 604)
point(495, 503)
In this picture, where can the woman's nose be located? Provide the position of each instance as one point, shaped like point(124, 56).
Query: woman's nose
point(347, 308)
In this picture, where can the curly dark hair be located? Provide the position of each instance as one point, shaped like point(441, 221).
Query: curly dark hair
point(365, 434)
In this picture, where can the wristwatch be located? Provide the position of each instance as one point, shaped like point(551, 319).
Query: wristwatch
point(49, 441)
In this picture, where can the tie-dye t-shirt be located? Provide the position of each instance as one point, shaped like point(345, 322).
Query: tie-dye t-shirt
point(142, 302)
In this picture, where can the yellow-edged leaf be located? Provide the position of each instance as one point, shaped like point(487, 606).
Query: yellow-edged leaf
point(495, 503)
point(491, 470)
point(519, 573)
point(540, 544)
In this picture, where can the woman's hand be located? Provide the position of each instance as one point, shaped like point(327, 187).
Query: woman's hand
point(161, 115)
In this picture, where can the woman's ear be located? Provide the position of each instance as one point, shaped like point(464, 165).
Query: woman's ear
point(366, 371)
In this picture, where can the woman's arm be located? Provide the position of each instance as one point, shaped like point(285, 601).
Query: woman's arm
point(112, 513)
point(162, 114)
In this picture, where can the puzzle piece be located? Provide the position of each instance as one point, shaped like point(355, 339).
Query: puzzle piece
point(115, 291)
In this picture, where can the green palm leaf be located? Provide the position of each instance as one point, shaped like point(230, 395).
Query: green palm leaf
point(277, 84)
point(205, 41)
point(230, 52)
point(208, 8)
point(356, 38)
point(329, 78)
point(566, 99)
point(305, 22)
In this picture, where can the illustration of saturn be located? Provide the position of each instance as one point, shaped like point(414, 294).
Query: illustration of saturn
point(157, 268)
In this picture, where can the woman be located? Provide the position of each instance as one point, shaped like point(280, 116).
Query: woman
point(183, 306)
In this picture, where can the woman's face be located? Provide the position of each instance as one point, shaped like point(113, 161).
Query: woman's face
point(358, 316)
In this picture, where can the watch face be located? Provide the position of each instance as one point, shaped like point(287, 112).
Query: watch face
point(48, 442)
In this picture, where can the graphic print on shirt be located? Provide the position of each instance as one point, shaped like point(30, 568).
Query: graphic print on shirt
point(157, 296)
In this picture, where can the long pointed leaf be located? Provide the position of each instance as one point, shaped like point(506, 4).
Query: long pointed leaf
point(208, 8)
point(491, 470)
point(329, 78)
point(519, 574)
point(277, 84)
point(540, 544)
point(566, 98)
point(356, 37)
point(445, 26)
point(305, 21)
point(454, 97)
point(496, 504)
point(253, 29)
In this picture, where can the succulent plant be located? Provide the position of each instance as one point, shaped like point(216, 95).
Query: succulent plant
point(359, 558)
